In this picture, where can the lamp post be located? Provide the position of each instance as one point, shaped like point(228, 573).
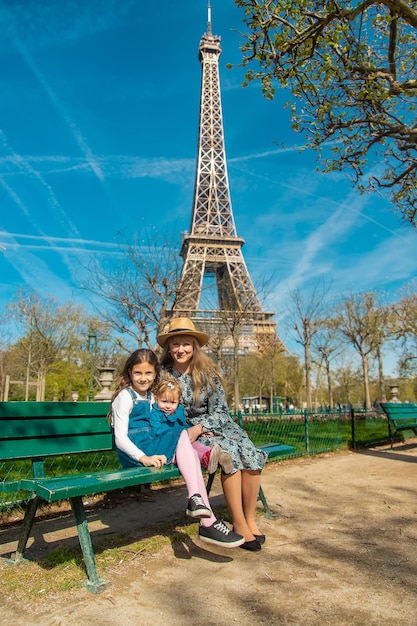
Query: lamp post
point(92, 337)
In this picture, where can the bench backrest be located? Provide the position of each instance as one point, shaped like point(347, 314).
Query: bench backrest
point(39, 429)
point(400, 410)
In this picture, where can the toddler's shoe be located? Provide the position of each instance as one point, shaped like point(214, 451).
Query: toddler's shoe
point(196, 507)
point(225, 462)
point(215, 457)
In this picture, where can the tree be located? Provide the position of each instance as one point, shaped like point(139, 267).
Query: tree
point(4, 340)
point(306, 319)
point(52, 337)
point(347, 381)
point(48, 331)
point(351, 68)
point(361, 321)
point(253, 375)
point(273, 351)
point(327, 347)
point(234, 322)
point(64, 378)
point(404, 327)
point(137, 292)
point(271, 371)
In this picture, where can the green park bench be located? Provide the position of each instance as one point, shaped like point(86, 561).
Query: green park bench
point(42, 431)
point(401, 416)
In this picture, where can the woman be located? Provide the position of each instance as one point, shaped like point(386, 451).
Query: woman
point(205, 404)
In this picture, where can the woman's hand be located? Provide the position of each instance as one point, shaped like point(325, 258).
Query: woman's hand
point(156, 460)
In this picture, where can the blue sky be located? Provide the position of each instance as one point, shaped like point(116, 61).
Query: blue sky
point(98, 135)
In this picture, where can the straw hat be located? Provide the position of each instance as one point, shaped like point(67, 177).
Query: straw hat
point(182, 326)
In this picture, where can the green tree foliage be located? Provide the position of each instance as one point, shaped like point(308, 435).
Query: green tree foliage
point(408, 389)
point(265, 375)
point(48, 331)
point(404, 327)
point(51, 352)
point(351, 67)
point(255, 376)
point(66, 378)
point(348, 385)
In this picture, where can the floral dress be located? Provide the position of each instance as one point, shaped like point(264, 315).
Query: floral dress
point(213, 415)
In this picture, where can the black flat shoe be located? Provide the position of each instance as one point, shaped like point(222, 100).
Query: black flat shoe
point(260, 539)
point(252, 546)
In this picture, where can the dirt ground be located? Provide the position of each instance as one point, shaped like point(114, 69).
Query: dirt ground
point(341, 549)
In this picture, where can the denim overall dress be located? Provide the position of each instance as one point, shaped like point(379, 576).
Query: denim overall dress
point(148, 439)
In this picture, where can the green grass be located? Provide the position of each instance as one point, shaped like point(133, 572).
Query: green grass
point(62, 569)
point(58, 572)
point(317, 435)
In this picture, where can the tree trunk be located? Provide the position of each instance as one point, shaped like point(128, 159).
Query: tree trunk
point(236, 375)
point(381, 382)
point(329, 385)
point(366, 381)
point(308, 376)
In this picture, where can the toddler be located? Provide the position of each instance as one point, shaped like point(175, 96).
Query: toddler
point(168, 412)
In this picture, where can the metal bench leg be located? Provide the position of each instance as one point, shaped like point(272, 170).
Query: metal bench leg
point(29, 518)
point(261, 497)
point(210, 482)
point(391, 434)
point(94, 583)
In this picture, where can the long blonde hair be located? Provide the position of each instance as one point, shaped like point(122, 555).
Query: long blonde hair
point(202, 369)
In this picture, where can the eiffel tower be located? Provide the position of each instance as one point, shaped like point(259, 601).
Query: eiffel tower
point(212, 249)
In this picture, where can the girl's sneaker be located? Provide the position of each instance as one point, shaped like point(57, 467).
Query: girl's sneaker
point(220, 535)
point(196, 507)
point(217, 456)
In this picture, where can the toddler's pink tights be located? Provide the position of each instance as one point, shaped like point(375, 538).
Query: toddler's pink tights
point(188, 463)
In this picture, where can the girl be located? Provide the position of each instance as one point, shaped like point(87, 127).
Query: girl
point(206, 407)
point(137, 444)
point(168, 413)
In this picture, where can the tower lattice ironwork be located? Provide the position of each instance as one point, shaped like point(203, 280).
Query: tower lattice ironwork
point(212, 247)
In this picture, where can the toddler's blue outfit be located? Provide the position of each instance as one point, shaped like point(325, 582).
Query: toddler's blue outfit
point(161, 422)
point(148, 433)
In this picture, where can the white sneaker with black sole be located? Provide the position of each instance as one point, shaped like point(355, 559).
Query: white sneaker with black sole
point(220, 535)
point(196, 507)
